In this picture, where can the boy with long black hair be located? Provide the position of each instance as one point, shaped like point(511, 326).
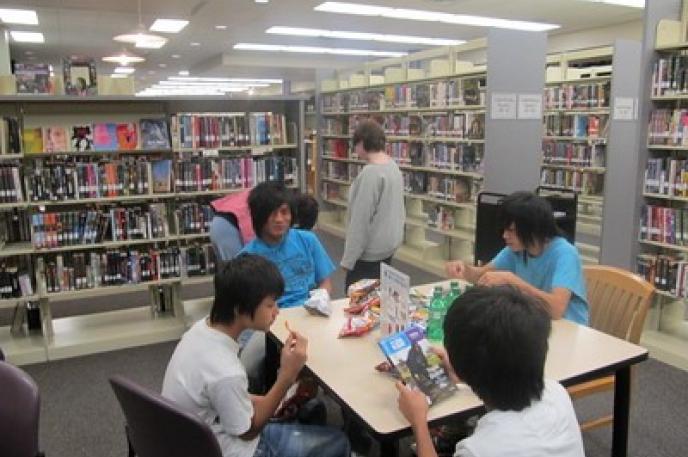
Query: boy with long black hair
point(204, 375)
point(536, 259)
point(496, 342)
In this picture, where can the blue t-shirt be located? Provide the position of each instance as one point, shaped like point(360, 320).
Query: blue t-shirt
point(558, 266)
point(301, 259)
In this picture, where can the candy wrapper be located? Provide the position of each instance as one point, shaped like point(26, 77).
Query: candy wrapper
point(358, 325)
point(363, 303)
point(387, 368)
point(362, 287)
point(319, 303)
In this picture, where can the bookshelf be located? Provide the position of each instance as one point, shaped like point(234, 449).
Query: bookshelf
point(435, 133)
point(106, 222)
point(575, 130)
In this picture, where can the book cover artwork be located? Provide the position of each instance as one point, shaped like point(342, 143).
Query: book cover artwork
point(154, 134)
point(394, 299)
point(33, 78)
point(127, 136)
point(417, 365)
point(105, 136)
point(162, 176)
point(33, 140)
point(82, 138)
point(80, 77)
point(55, 139)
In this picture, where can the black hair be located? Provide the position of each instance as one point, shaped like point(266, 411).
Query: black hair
point(263, 200)
point(307, 210)
point(496, 339)
point(531, 215)
point(371, 134)
point(241, 284)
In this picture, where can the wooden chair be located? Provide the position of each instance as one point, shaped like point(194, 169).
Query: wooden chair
point(618, 301)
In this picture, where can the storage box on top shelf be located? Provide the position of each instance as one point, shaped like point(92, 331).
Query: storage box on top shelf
point(329, 85)
point(439, 67)
point(108, 85)
point(394, 75)
point(415, 73)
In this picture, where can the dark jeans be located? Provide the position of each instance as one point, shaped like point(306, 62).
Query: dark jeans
point(297, 440)
point(364, 270)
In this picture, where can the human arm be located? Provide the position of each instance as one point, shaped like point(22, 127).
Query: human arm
point(460, 270)
point(557, 300)
point(444, 357)
point(414, 406)
point(322, 263)
point(293, 357)
point(326, 284)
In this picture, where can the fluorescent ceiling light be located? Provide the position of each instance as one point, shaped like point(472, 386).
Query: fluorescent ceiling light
point(184, 73)
point(629, 3)
point(432, 16)
point(125, 70)
point(364, 36)
point(262, 1)
point(221, 27)
point(235, 80)
point(118, 76)
point(194, 43)
point(142, 40)
point(123, 58)
point(169, 83)
point(316, 50)
point(14, 16)
point(168, 25)
point(27, 37)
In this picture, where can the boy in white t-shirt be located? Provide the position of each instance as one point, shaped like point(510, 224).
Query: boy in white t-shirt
point(496, 342)
point(204, 375)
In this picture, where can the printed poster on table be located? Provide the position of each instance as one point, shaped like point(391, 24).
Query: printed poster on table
point(394, 300)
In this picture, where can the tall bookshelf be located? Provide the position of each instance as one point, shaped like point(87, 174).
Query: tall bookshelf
point(215, 147)
point(435, 133)
point(575, 135)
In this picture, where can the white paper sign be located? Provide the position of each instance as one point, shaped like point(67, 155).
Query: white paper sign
point(625, 108)
point(394, 300)
point(503, 106)
point(530, 106)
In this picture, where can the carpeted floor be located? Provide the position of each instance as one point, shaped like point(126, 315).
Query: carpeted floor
point(80, 416)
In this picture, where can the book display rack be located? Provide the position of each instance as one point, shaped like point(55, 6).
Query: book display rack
point(101, 196)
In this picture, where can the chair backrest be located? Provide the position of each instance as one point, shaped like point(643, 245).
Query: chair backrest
point(19, 413)
point(618, 300)
point(158, 427)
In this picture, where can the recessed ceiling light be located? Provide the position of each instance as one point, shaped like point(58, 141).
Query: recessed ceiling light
point(194, 43)
point(168, 25)
point(175, 56)
point(262, 1)
point(316, 50)
point(151, 72)
point(142, 40)
point(162, 65)
point(432, 16)
point(27, 37)
point(184, 73)
point(300, 31)
point(125, 70)
point(221, 27)
point(123, 58)
point(15, 16)
point(629, 3)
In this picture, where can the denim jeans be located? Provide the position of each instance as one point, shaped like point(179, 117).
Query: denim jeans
point(297, 440)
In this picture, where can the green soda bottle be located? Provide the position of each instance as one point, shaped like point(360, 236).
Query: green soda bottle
point(454, 292)
point(436, 316)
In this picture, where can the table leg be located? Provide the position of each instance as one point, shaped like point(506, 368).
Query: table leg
point(622, 402)
point(272, 360)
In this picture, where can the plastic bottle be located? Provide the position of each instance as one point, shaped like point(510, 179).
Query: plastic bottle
point(454, 292)
point(436, 316)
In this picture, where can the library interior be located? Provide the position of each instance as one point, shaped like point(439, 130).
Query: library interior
point(374, 228)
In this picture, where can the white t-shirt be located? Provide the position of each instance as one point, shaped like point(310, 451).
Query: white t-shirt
point(205, 377)
point(547, 428)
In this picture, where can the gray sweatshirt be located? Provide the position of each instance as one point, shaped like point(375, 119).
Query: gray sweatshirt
point(376, 214)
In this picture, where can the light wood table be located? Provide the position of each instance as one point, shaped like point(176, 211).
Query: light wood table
point(345, 368)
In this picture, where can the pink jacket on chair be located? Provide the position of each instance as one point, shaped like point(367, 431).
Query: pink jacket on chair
point(237, 204)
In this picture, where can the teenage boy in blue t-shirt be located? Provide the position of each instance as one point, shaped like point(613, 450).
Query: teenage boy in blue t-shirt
point(298, 254)
point(536, 259)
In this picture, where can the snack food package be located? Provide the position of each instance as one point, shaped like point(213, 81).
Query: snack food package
point(319, 303)
point(358, 325)
point(362, 287)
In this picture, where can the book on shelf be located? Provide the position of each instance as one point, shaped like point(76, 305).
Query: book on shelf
point(193, 218)
point(564, 152)
point(669, 75)
point(105, 136)
point(82, 138)
point(15, 280)
point(664, 225)
point(80, 76)
point(573, 180)
point(127, 136)
point(667, 176)
point(417, 365)
point(219, 130)
point(583, 95)
point(197, 260)
point(33, 78)
point(15, 226)
point(440, 217)
point(55, 139)
point(668, 127)
point(10, 136)
point(668, 273)
point(33, 140)
point(11, 189)
point(162, 176)
point(154, 134)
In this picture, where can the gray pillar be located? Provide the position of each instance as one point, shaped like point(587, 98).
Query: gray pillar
point(515, 68)
point(5, 58)
point(625, 161)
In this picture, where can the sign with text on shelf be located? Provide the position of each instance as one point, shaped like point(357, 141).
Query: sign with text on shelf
point(530, 106)
point(503, 106)
point(625, 108)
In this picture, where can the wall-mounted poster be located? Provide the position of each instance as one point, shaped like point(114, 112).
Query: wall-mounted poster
point(80, 77)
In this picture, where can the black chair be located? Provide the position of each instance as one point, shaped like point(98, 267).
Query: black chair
point(19, 413)
point(156, 427)
point(488, 239)
point(2, 356)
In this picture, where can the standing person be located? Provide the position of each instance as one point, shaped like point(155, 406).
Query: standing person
point(536, 259)
point(376, 207)
point(205, 377)
point(298, 254)
point(496, 342)
point(230, 228)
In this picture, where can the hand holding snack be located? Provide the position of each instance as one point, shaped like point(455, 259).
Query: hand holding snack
point(294, 354)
